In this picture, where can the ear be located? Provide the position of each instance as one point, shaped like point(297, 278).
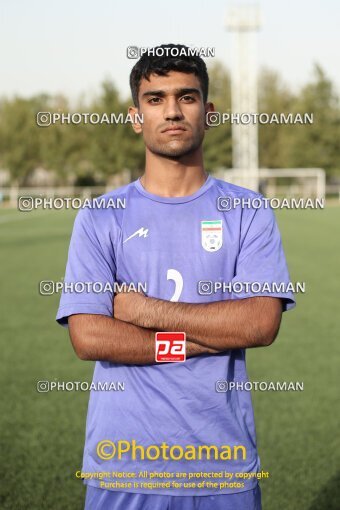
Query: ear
point(136, 123)
point(209, 107)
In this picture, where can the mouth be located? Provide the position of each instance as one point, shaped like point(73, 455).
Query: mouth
point(173, 130)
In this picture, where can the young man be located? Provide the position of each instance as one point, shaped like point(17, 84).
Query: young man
point(172, 235)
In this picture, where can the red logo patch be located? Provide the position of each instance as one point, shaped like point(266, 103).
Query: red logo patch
point(170, 347)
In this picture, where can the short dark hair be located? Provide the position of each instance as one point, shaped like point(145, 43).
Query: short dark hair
point(150, 63)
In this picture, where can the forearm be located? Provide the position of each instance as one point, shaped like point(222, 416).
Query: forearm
point(101, 338)
point(220, 325)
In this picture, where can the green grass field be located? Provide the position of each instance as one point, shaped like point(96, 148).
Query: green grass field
point(42, 434)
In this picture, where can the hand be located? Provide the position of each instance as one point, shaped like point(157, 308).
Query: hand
point(128, 307)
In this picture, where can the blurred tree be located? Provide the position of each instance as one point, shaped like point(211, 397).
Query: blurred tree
point(317, 144)
point(113, 147)
point(273, 97)
point(93, 152)
point(19, 144)
point(217, 143)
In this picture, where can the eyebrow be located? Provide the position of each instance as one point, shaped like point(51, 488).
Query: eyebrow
point(178, 92)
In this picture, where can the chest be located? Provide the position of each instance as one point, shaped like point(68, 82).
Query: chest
point(173, 253)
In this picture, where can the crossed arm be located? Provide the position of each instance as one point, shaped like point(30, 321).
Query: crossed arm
point(129, 337)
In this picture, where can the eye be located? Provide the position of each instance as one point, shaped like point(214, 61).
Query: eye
point(187, 98)
point(154, 100)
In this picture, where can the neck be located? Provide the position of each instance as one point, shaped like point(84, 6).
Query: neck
point(167, 177)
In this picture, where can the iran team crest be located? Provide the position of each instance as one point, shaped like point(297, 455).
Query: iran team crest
point(211, 232)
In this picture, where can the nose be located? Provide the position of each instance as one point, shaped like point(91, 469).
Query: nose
point(172, 110)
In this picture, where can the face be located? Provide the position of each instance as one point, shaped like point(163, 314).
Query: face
point(173, 114)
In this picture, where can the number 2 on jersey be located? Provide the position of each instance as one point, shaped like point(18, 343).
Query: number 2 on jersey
point(173, 274)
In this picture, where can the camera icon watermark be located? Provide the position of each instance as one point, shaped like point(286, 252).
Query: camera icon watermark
point(225, 203)
point(213, 119)
point(43, 386)
point(44, 119)
point(46, 288)
point(221, 386)
point(132, 52)
point(205, 287)
point(25, 204)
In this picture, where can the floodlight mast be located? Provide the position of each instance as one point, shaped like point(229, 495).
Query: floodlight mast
point(243, 22)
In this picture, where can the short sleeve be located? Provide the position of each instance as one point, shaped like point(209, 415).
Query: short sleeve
point(90, 272)
point(261, 268)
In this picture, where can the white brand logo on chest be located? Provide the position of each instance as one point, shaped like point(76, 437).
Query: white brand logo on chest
point(142, 232)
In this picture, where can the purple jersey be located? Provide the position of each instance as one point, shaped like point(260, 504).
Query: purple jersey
point(183, 249)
